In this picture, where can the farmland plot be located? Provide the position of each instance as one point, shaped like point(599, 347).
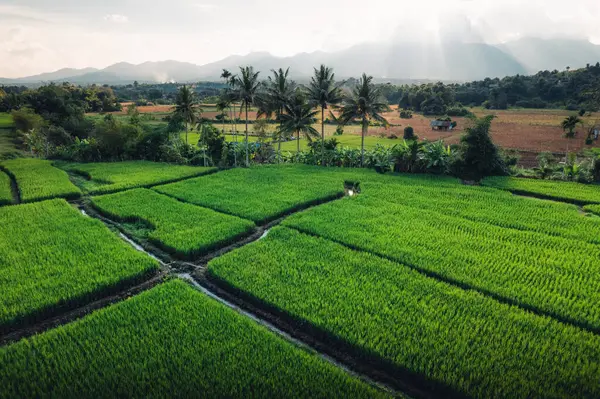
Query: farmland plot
point(561, 191)
point(184, 230)
point(548, 274)
point(171, 341)
point(260, 194)
point(6, 196)
point(53, 258)
point(104, 178)
point(465, 341)
point(38, 180)
point(488, 205)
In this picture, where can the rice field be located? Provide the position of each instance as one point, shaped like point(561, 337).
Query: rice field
point(171, 341)
point(184, 230)
point(104, 178)
point(38, 180)
point(53, 258)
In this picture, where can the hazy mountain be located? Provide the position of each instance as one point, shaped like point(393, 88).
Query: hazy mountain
point(449, 61)
point(52, 76)
point(549, 54)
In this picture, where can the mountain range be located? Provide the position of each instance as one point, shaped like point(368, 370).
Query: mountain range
point(448, 61)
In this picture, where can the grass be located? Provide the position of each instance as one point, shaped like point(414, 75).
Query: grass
point(595, 209)
point(6, 196)
point(548, 274)
point(562, 191)
point(53, 258)
point(185, 230)
point(6, 121)
point(104, 178)
point(38, 180)
point(260, 194)
point(171, 341)
point(465, 341)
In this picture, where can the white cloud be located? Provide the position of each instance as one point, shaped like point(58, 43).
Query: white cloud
point(116, 18)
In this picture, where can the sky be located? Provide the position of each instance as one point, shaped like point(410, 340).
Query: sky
point(42, 36)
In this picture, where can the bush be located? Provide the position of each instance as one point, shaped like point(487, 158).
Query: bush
point(458, 111)
point(409, 133)
point(406, 114)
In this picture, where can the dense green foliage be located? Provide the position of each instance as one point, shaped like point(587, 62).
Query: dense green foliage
point(478, 156)
point(593, 208)
point(467, 341)
point(38, 180)
point(572, 89)
point(562, 191)
point(183, 229)
point(171, 341)
point(550, 274)
point(260, 194)
point(101, 178)
point(52, 257)
point(6, 196)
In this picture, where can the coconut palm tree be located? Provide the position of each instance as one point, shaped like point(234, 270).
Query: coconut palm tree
point(278, 92)
point(247, 86)
point(365, 103)
point(569, 125)
point(323, 93)
point(222, 104)
point(187, 107)
point(299, 117)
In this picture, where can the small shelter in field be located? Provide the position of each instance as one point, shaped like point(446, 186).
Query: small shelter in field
point(441, 125)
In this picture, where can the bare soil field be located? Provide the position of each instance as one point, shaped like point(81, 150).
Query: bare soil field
point(527, 130)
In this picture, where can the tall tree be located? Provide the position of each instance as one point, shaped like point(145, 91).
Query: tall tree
point(323, 93)
point(299, 117)
point(232, 96)
point(279, 90)
point(247, 85)
point(187, 107)
point(365, 103)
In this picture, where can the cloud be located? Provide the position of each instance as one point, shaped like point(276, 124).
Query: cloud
point(116, 18)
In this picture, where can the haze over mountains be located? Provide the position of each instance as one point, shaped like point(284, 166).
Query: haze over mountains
point(449, 61)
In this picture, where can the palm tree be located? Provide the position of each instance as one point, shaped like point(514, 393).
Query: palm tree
point(299, 117)
point(247, 87)
point(323, 92)
point(222, 105)
point(365, 103)
point(278, 92)
point(569, 124)
point(186, 106)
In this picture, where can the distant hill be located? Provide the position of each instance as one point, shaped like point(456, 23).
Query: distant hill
point(550, 54)
point(449, 61)
point(65, 73)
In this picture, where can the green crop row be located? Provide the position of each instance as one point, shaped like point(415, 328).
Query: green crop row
point(554, 275)
point(185, 230)
point(563, 191)
point(260, 194)
point(593, 208)
point(6, 196)
point(38, 180)
point(104, 178)
point(52, 257)
point(171, 341)
point(492, 206)
point(460, 339)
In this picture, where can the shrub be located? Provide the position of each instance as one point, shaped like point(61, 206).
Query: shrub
point(406, 114)
point(409, 133)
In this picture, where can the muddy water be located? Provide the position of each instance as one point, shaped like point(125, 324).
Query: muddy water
point(138, 247)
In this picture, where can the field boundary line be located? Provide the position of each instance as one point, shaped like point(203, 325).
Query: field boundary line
point(14, 186)
point(358, 360)
point(462, 285)
point(92, 193)
point(81, 311)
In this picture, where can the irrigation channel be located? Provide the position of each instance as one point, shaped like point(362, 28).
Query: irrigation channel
point(195, 273)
